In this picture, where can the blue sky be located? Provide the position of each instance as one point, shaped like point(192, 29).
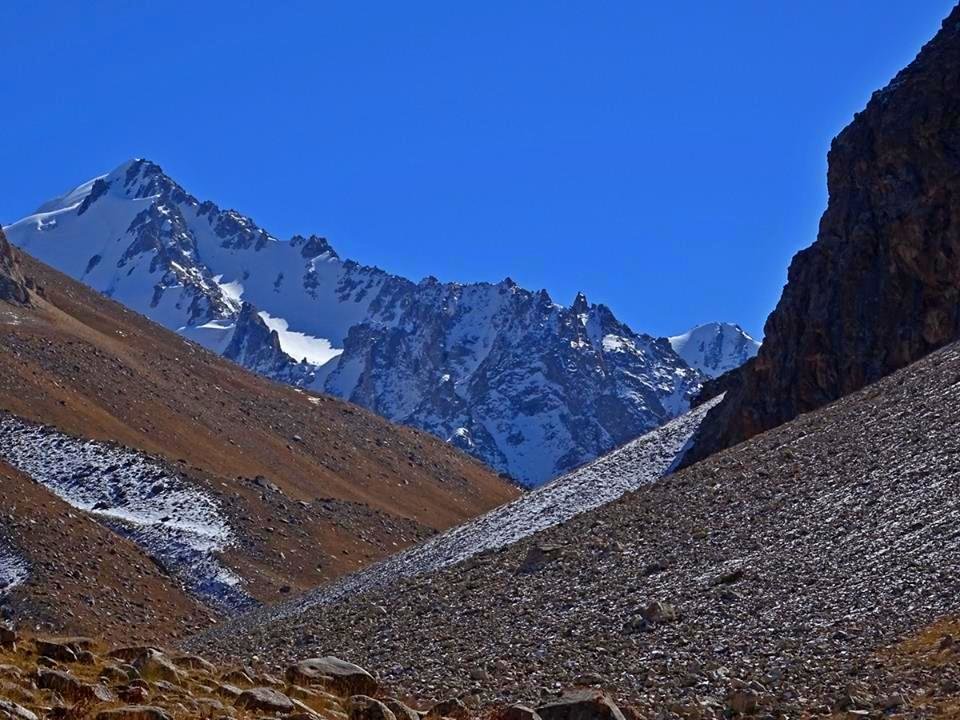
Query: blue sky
point(666, 158)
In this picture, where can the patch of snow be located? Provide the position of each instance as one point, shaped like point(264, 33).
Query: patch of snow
point(298, 345)
point(175, 522)
point(13, 569)
point(639, 462)
point(232, 291)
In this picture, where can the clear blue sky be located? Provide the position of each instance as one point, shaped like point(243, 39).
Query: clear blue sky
point(666, 158)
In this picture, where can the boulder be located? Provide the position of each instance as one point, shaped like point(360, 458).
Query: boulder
point(361, 707)
point(539, 556)
point(340, 677)
point(452, 708)
point(133, 694)
point(154, 665)
point(133, 712)
point(72, 688)
point(193, 662)
point(584, 705)
point(62, 650)
point(11, 711)
point(401, 710)
point(264, 699)
point(8, 637)
point(518, 712)
point(228, 691)
point(237, 678)
point(658, 612)
point(129, 653)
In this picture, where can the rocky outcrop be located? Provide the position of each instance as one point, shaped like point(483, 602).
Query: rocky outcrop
point(880, 287)
point(13, 287)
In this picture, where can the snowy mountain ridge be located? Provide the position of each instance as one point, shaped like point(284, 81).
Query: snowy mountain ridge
point(530, 387)
point(715, 348)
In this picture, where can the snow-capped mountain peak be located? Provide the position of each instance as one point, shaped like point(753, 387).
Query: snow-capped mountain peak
point(715, 348)
point(530, 387)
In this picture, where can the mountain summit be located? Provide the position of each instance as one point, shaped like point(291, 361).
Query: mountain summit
point(715, 348)
point(529, 386)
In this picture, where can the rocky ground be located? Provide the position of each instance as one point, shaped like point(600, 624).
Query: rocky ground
point(637, 463)
point(781, 572)
point(77, 677)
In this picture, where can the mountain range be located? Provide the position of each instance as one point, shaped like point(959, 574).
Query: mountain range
point(530, 387)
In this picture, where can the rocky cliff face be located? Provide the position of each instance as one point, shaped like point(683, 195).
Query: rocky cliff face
point(880, 287)
point(13, 287)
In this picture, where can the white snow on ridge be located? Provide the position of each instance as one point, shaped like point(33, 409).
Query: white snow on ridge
point(715, 348)
point(639, 462)
point(299, 345)
point(13, 569)
point(176, 523)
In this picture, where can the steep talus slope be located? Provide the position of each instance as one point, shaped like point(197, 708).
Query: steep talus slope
point(638, 463)
point(782, 566)
point(529, 387)
point(881, 285)
point(306, 487)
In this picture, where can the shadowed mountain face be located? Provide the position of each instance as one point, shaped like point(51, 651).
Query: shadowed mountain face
point(12, 286)
point(880, 287)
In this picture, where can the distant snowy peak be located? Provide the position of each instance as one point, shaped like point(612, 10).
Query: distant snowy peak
point(715, 348)
point(526, 385)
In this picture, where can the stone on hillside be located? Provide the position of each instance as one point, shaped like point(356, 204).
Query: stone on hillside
point(238, 678)
point(539, 556)
point(114, 674)
point(264, 699)
point(452, 708)
point(133, 712)
point(340, 677)
point(361, 707)
point(133, 694)
point(8, 637)
point(584, 705)
point(658, 611)
point(228, 691)
point(72, 688)
point(193, 662)
point(130, 653)
point(401, 710)
point(518, 712)
point(154, 665)
point(62, 650)
point(11, 711)
point(743, 701)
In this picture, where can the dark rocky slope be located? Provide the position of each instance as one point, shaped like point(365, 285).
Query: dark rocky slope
point(781, 568)
point(881, 285)
point(13, 287)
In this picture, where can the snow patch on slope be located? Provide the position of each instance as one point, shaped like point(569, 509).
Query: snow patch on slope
point(13, 569)
point(298, 345)
point(176, 523)
point(637, 463)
